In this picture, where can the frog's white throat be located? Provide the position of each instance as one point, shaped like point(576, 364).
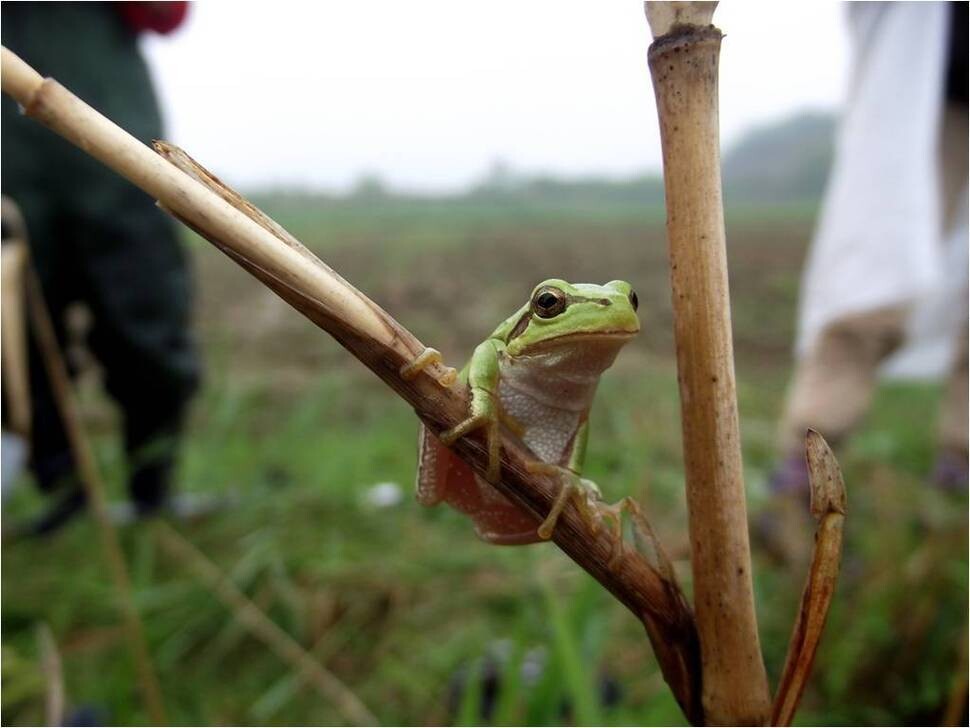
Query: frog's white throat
point(564, 377)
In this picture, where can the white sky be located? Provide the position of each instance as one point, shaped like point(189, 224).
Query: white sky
point(428, 93)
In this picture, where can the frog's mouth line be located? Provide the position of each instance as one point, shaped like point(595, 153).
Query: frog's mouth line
point(581, 336)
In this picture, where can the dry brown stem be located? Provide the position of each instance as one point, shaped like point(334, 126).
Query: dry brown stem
point(13, 324)
point(828, 507)
point(379, 342)
point(50, 665)
point(957, 699)
point(255, 620)
point(94, 490)
point(684, 67)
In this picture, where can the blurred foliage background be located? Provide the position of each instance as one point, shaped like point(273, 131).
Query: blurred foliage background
point(422, 621)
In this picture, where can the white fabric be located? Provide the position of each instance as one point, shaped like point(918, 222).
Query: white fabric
point(937, 317)
point(879, 240)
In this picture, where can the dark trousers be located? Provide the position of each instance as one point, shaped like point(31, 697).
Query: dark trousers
point(98, 240)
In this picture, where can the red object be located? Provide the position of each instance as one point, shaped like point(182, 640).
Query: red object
point(159, 17)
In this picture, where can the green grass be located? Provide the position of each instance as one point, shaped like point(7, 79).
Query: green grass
point(401, 602)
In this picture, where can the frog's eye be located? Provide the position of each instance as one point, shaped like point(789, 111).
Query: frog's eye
point(548, 302)
point(634, 301)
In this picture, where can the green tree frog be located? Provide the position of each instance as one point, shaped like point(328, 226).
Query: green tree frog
point(536, 374)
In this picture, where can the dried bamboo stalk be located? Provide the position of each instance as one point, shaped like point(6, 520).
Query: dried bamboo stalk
point(50, 665)
point(957, 699)
point(94, 490)
point(684, 65)
point(13, 323)
point(379, 342)
point(828, 507)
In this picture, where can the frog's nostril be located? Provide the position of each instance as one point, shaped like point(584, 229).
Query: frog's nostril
point(634, 301)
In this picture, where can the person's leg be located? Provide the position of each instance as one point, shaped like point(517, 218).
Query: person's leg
point(953, 167)
point(831, 390)
point(51, 264)
point(50, 456)
point(50, 261)
point(833, 384)
point(951, 466)
point(138, 287)
point(125, 262)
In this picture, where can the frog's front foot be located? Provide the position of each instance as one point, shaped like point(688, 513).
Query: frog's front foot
point(422, 361)
point(490, 424)
point(584, 493)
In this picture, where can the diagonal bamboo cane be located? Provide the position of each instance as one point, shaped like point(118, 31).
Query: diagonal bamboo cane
point(380, 343)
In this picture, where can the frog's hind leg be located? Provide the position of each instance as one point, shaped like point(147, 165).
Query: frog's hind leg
point(644, 532)
point(549, 525)
point(584, 493)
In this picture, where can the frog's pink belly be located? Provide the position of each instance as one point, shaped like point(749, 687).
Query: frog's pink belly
point(548, 430)
point(443, 476)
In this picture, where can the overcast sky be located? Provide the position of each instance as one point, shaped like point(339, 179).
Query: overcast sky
point(429, 93)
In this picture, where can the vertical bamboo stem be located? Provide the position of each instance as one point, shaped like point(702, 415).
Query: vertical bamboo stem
point(684, 65)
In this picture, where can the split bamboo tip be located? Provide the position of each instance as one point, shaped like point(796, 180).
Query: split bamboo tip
point(664, 17)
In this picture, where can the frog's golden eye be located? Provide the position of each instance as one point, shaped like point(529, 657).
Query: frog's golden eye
point(548, 302)
point(634, 301)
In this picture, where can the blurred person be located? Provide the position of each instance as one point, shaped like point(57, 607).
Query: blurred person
point(886, 280)
point(96, 239)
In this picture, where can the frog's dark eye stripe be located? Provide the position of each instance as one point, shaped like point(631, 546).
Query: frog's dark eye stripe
point(548, 302)
point(634, 301)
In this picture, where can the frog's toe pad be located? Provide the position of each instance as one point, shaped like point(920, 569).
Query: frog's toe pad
point(422, 361)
